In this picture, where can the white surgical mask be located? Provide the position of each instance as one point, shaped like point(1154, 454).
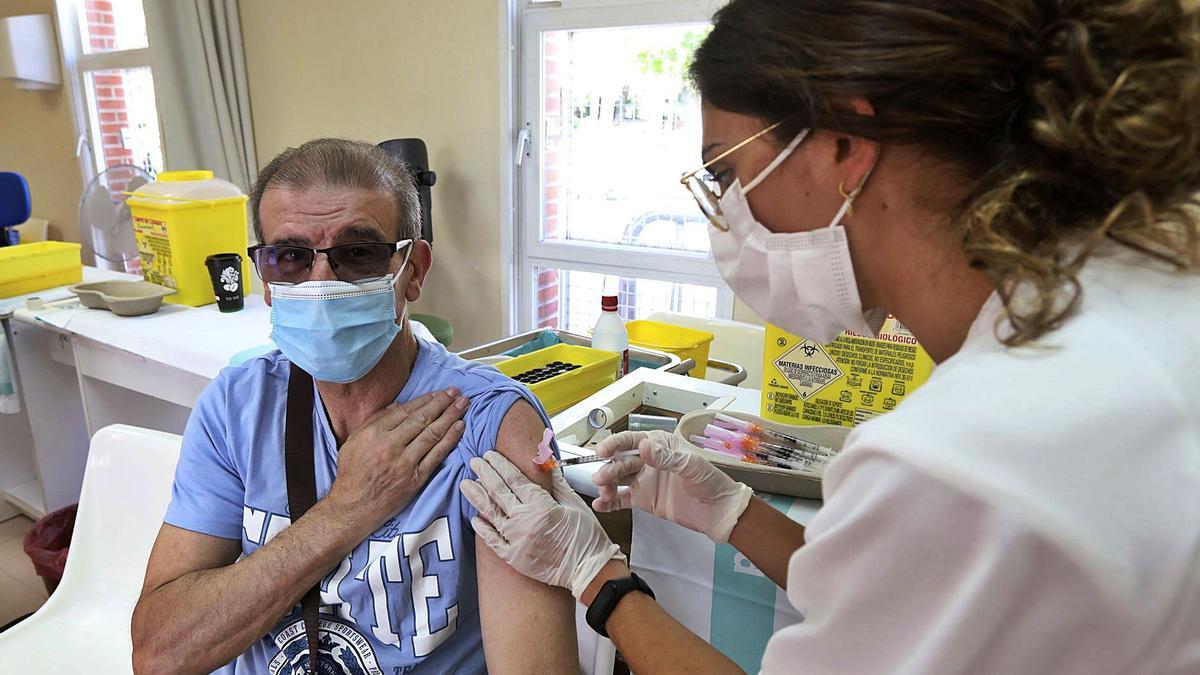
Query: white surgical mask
point(802, 282)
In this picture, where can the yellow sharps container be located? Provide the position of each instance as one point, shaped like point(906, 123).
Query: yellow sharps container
point(182, 218)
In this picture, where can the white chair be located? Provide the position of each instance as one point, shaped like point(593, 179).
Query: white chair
point(84, 626)
point(733, 342)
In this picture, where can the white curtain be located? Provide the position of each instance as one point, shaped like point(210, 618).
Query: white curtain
point(200, 86)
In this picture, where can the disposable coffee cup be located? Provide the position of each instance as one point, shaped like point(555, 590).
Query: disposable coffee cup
point(225, 270)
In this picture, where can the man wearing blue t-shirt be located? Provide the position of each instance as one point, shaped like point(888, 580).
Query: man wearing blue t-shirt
point(405, 586)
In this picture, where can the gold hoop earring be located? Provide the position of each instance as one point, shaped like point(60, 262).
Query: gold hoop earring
point(846, 196)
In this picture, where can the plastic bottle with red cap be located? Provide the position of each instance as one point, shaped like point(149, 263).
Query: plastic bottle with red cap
point(610, 334)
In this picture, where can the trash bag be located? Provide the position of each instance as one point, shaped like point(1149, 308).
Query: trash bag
point(47, 542)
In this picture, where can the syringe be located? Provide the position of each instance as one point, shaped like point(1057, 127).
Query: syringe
point(587, 459)
point(545, 460)
point(750, 456)
point(751, 444)
point(752, 429)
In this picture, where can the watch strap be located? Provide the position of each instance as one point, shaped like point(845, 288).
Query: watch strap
point(610, 596)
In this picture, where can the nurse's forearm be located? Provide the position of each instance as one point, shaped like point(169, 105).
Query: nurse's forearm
point(768, 538)
point(652, 641)
point(203, 620)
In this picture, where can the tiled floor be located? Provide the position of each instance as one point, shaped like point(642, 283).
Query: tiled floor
point(21, 590)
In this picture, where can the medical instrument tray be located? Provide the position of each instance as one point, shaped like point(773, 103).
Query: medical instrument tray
point(804, 483)
point(562, 375)
point(659, 360)
point(33, 267)
point(686, 343)
point(663, 393)
point(492, 352)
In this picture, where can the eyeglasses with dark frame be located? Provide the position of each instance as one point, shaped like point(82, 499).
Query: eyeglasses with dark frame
point(288, 263)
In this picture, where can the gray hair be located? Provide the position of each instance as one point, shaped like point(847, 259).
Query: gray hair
point(339, 162)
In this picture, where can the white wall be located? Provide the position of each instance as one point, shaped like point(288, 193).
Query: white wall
point(37, 140)
point(743, 313)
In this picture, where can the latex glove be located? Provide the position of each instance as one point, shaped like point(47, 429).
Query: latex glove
point(549, 536)
point(669, 481)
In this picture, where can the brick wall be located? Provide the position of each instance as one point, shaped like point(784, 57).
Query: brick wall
point(549, 309)
point(108, 86)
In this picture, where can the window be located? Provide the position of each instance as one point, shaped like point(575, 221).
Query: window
point(573, 296)
point(609, 124)
point(108, 59)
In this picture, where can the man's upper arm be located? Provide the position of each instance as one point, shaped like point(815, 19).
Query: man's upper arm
point(527, 625)
point(208, 493)
point(202, 525)
point(520, 433)
point(178, 552)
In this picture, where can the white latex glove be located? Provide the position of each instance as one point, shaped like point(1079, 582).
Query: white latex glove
point(670, 482)
point(549, 536)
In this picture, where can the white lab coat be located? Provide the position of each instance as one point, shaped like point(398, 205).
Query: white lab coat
point(1031, 510)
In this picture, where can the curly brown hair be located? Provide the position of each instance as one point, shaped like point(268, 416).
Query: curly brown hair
point(1078, 120)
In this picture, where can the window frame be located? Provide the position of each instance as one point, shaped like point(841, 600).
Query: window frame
point(530, 253)
point(77, 63)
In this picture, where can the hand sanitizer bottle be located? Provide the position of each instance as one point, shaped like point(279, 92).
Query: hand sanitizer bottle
point(610, 334)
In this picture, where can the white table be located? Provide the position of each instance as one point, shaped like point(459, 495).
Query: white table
point(79, 370)
point(56, 421)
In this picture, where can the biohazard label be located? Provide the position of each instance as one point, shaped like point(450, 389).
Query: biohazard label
point(154, 248)
point(847, 382)
point(808, 369)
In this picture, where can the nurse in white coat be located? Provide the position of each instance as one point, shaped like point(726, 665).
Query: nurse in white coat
point(1015, 181)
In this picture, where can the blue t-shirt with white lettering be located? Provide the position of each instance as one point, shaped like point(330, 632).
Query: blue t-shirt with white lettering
point(405, 600)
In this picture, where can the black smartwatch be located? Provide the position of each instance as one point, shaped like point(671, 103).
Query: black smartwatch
point(609, 597)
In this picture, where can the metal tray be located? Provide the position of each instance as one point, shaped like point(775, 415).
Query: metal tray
point(727, 373)
point(662, 360)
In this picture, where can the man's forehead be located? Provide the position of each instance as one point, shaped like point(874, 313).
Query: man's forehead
point(313, 214)
point(312, 236)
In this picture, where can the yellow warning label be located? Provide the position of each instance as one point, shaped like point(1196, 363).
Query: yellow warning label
point(154, 247)
point(845, 382)
point(807, 368)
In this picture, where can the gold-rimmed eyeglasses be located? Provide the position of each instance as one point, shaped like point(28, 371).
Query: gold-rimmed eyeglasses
point(707, 190)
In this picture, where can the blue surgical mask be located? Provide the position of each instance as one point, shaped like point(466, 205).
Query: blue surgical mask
point(335, 330)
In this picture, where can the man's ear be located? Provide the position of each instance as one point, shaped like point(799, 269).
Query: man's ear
point(420, 261)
